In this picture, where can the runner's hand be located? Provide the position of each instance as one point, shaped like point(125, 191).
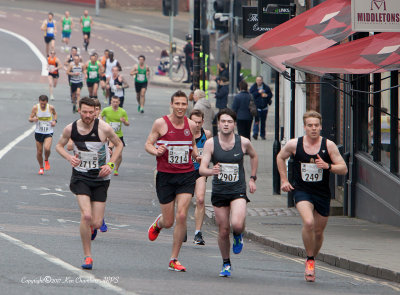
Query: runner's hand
point(321, 163)
point(53, 123)
point(252, 186)
point(161, 150)
point(74, 160)
point(105, 170)
point(122, 119)
point(286, 186)
point(216, 169)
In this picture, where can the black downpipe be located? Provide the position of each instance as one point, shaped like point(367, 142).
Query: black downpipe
point(276, 179)
point(290, 200)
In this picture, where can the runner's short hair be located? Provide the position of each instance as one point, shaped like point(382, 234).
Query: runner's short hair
point(97, 102)
point(116, 97)
point(312, 114)
point(197, 113)
point(141, 56)
point(74, 47)
point(179, 93)
point(43, 98)
point(228, 112)
point(87, 101)
point(50, 13)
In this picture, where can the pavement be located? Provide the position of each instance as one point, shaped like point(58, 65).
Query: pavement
point(350, 243)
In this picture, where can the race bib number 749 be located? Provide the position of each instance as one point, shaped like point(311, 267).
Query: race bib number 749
point(311, 173)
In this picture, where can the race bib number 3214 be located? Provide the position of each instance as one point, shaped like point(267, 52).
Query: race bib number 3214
point(178, 154)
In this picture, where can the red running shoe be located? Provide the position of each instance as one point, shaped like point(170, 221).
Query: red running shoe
point(309, 273)
point(176, 266)
point(154, 230)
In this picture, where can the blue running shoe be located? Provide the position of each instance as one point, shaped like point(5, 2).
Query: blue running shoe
point(103, 227)
point(237, 243)
point(226, 271)
point(88, 264)
point(94, 233)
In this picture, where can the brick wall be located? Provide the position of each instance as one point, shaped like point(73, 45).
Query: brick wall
point(144, 4)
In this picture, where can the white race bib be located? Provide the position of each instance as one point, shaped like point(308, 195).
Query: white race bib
point(141, 77)
point(229, 172)
point(116, 126)
point(86, 23)
point(89, 160)
point(114, 89)
point(66, 27)
point(178, 154)
point(51, 68)
point(92, 75)
point(50, 30)
point(310, 172)
point(44, 126)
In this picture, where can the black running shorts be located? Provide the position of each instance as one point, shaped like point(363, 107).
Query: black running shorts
point(75, 86)
point(168, 185)
point(321, 205)
point(91, 84)
point(140, 86)
point(48, 39)
point(219, 200)
point(39, 137)
point(96, 190)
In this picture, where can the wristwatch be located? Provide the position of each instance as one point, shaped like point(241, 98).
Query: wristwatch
point(254, 177)
point(329, 166)
point(111, 164)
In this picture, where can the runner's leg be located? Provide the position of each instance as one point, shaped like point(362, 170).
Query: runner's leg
point(222, 220)
point(94, 89)
point(200, 191)
point(306, 209)
point(98, 209)
point(238, 215)
point(50, 78)
point(142, 97)
point(183, 203)
point(86, 221)
point(319, 225)
point(47, 147)
point(39, 153)
point(168, 215)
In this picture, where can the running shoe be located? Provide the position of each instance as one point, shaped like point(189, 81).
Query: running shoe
point(226, 270)
point(141, 110)
point(138, 108)
point(198, 239)
point(41, 171)
point(74, 108)
point(175, 265)
point(94, 233)
point(46, 165)
point(88, 264)
point(52, 97)
point(309, 273)
point(237, 243)
point(103, 227)
point(154, 230)
point(116, 173)
point(185, 238)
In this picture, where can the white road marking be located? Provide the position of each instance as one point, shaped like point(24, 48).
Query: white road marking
point(60, 220)
point(55, 194)
point(13, 143)
point(32, 47)
point(57, 261)
point(24, 187)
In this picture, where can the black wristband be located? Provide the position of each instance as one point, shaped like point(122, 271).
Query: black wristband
point(329, 166)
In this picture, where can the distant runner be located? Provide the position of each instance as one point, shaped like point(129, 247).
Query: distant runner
point(45, 117)
point(50, 30)
point(86, 25)
point(142, 75)
point(75, 71)
point(66, 28)
point(93, 71)
point(53, 65)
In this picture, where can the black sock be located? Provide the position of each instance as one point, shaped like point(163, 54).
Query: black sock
point(310, 257)
point(235, 234)
point(226, 261)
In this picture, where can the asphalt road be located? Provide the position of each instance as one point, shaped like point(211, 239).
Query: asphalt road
point(39, 216)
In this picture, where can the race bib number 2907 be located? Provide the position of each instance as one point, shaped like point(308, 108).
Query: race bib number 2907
point(229, 172)
point(311, 173)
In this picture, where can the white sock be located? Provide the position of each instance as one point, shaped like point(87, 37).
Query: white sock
point(196, 232)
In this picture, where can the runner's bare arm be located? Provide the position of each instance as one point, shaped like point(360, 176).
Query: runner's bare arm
point(195, 153)
point(114, 139)
point(288, 150)
point(65, 136)
point(81, 22)
point(134, 70)
point(148, 73)
point(44, 25)
point(123, 81)
point(55, 27)
point(69, 70)
point(208, 134)
point(32, 116)
point(249, 150)
point(58, 62)
point(339, 165)
point(85, 67)
point(205, 162)
point(53, 111)
point(152, 139)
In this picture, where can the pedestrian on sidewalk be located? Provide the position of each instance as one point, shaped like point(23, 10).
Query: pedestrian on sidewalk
point(226, 151)
point(263, 98)
point(203, 104)
point(189, 55)
point(163, 67)
point(240, 105)
point(315, 157)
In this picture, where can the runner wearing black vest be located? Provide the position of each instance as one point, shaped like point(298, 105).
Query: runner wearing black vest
point(314, 158)
point(226, 151)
